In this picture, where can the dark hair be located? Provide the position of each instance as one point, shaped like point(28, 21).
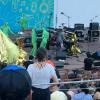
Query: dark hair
point(98, 88)
point(31, 57)
point(2, 64)
point(84, 88)
point(41, 54)
point(9, 88)
point(88, 54)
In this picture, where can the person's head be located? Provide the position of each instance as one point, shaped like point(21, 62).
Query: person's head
point(98, 88)
point(84, 89)
point(15, 83)
point(88, 54)
point(31, 57)
point(2, 64)
point(58, 95)
point(41, 54)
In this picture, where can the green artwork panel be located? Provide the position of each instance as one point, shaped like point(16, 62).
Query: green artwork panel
point(39, 13)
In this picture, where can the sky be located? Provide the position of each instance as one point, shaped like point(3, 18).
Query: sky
point(80, 11)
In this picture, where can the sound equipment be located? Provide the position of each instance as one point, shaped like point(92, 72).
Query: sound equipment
point(27, 31)
point(27, 42)
point(94, 33)
point(96, 63)
point(39, 36)
point(79, 26)
point(60, 55)
point(79, 33)
point(39, 33)
point(96, 55)
point(59, 64)
point(94, 26)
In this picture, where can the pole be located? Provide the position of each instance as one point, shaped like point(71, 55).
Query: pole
point(56, 15)
point(68, 17)
point(68, 21)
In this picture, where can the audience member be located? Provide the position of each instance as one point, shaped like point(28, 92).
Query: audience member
point(97, 93)
point(58, 95)
point(88, 62)
point(71, 93)
point(83, 95)
point(41, 73)
point(15, 83)
point(28, 62)
point(59, 40)
point(88, 65)
point(50, 61)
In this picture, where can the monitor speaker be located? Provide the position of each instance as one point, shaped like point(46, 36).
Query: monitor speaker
point(59, 64)
point(27, 42)
point(60, 55)
point(94, 26)
point(93, 33)
point(79, 34)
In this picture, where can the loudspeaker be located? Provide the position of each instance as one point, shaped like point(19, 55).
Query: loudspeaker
point(59, 64)
point(79, 34)
point(93, 33)
point(94, 26)
point(60, 55)
point(39, 35)
point(27, 42)
point(96, 63)
point(79, 26)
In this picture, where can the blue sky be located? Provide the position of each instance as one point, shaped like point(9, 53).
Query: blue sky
point(80, 11)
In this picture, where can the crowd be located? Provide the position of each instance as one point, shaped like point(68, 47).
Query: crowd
point(33, 79)
point(32, 82)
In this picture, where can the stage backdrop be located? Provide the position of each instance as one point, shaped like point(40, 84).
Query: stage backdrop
point(37, 12)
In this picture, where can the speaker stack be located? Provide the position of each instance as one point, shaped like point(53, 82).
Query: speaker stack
point(93, 32)
point(79, 30)
point(79, 26)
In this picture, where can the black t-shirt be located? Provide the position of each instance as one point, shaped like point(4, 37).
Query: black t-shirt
point(88, 63)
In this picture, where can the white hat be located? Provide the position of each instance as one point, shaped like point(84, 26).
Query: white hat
point(58, 95)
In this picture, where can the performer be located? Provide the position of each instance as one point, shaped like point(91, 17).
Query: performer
point(6, 29)
point(34, 42)
point(74, 48)
point(9, 52)
point(45, 37)
point(60, 39)
point(23, 22)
